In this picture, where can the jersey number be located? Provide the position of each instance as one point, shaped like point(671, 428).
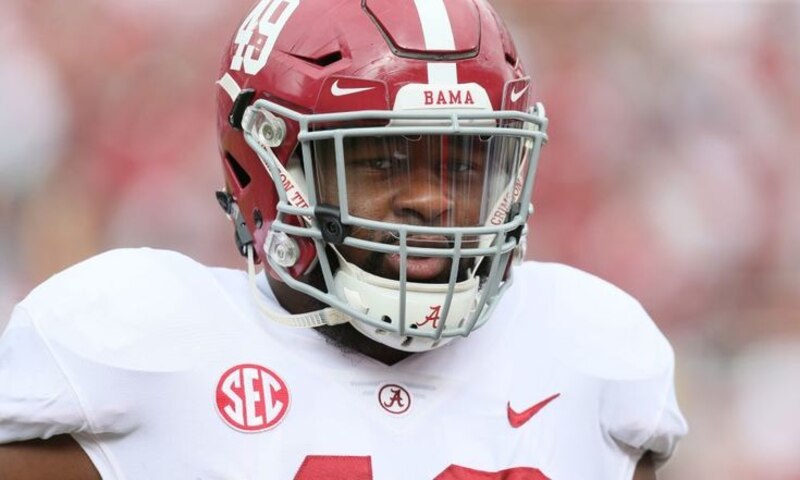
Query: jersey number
point(360, 468)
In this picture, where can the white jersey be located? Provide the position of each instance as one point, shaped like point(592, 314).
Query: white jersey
point(162, 368)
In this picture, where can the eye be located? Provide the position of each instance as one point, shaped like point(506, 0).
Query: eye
point(395, 162)
point(461, 165)
point(380, 163)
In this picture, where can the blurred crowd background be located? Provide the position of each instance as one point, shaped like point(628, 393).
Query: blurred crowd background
point(673, 170)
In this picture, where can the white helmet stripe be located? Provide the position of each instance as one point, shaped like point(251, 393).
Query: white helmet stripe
point(438, 34)
point(436, 26)
point(442, 73)
point(230, 86)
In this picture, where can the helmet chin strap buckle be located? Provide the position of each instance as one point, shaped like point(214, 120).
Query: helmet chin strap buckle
point(231, 209)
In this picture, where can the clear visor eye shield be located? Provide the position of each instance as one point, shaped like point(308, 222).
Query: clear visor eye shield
point(414, 215)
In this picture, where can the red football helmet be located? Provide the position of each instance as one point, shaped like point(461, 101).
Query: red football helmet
point(389, 143)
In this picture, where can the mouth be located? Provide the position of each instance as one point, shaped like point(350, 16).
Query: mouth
point(421, 269)
point(418, 269)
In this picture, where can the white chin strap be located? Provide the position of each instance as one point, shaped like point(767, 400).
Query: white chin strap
point(326, 316)
point(378, 297)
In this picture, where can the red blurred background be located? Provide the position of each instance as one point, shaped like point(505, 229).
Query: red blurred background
point(673, 170)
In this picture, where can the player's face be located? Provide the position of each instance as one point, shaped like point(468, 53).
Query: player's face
point(428, 180)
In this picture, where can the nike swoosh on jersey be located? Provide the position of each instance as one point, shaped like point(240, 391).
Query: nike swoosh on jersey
point(518, 419)
point(338, 91)
point(515, 94)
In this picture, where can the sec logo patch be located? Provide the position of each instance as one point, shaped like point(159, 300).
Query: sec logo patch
point(251, 398)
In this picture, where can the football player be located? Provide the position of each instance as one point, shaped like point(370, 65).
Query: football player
point(379, 158)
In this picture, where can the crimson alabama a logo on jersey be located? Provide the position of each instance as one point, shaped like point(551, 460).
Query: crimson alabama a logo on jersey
point(394, 398)
point(251, 398)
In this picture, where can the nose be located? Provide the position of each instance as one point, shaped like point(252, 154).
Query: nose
point(423, 199)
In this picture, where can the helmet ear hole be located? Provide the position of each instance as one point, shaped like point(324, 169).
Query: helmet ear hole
point(511, 60)
point(238, 173)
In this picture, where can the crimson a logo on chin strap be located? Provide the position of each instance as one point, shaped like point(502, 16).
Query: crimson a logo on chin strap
point(394, 399)
point(433, 317)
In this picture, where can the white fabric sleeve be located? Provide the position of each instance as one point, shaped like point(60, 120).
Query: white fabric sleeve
point(643, 414)
point(669, 427)
point(36, 399)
